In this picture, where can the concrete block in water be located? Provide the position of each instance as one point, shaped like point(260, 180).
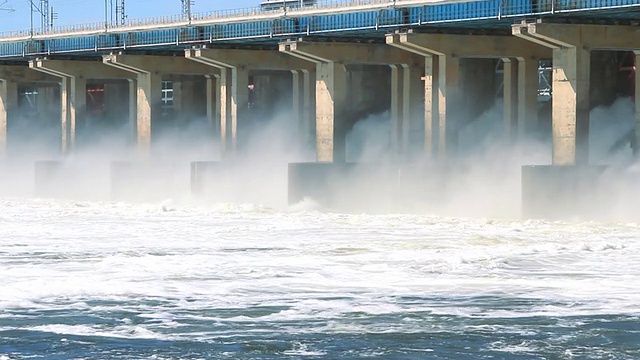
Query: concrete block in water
point(132, 181)
point(562, 192)
point(367, 186)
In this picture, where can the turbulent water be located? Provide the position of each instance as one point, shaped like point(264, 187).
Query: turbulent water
point(102, 280)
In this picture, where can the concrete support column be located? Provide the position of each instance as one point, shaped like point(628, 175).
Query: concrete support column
point(570, 112)
point(148, 71)
point(510, 96)
point(225, 109)
point(44, 100)
point(528, 83)
point(239, 101)
point(449, 49)
point(571, 46)
point(431, 97)
point(8, 102)
point(406, 105)
point(77, 106)
point(298, 86)
point(331, 87)
point(297, 107)
point(73, 76)
point(234, 101)
point(413, 103)
point(397, 93)
point(133, 108)
point(178, 96)
point(213, 101)
point(308, 104)
point(234, 65)
point(635, 142)
point(65, 116)
point(73, 97)
point(148, 102)
point(448, 104)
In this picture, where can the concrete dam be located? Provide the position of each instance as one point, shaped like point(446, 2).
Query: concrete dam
point(491, 107)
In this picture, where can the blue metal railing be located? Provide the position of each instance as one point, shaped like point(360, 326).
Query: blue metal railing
point(268, 25)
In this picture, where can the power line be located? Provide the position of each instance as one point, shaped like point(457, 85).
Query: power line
point(6, 6)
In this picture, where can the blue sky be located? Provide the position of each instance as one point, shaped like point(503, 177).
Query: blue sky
point(87, 11)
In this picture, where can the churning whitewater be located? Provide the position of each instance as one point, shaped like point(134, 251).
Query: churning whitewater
point(106, 280)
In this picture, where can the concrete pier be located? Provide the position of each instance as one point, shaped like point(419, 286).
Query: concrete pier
point(443, 54)
point(8, 102)
point(572, 46)
point(148, 71)
point(11, 76)
point(234, 66)
point(73, 76)
point(331, 86)
point(328, 77)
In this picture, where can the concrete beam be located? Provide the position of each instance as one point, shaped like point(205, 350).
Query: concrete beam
point(594, 37)
point(156, 64)
point(252, 59)
point(571, 83)
point(468, 46)
point(24, 74)
point(348, 53)
point(84, 69)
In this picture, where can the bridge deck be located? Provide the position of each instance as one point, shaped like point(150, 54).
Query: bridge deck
point(355, 19)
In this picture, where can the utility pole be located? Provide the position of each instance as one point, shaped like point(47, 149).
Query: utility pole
point(186, 8)
point(121, 17)
point(44, 14)
point(53, 16)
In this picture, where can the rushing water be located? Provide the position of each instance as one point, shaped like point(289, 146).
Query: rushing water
point(91, 280)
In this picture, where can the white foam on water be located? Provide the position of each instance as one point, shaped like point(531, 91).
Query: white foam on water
point(123, 332)
point(169, 262)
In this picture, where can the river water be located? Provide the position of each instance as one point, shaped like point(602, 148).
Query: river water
point(105, 280)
